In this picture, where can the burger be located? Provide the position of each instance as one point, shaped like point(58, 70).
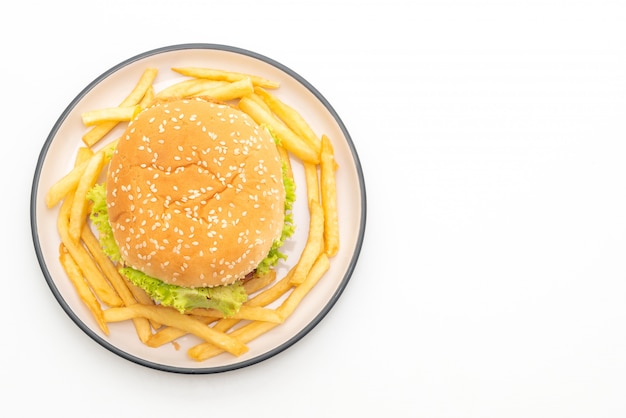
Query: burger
point(196, 200)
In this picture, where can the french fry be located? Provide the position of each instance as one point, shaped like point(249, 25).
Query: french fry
point(82, 288)
point(164, 335)
point(169, 334)
point(188, 88)
point(291, 117)
point(311, 179)
point(97, 281)
point(141, 88)
point(314, 244)
point(110, 114)
point(78, 212)
point(98, 132)
point(215, 74)
point(148, 98)
point(106, 266)
point(292, 142)
point(82, 155)
point(321, 265)
point(246, 312)
point(68, 183)
point(134, 97)
point(273, 293)
point(259, 100)
point(249, 332)
point(230, 91)
point(225, 324)
point(329, 197)
point(65, 185)
point(217, 90)
point(173, 318)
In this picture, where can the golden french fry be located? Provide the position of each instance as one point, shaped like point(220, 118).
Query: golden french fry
point(107, 266)
point(291, 117)
point(141, 88)
point(188, 88)
point(97, 281)
point(314, 244)
point(65, 185)
point(214, 74)
point(134, 97)
point(245, 334)
point(225, 324)
point(164, 336)
point(259, 100)
point(288, 139)
point(98, 132)
point(173, 318)
point(319, 268)
point(82, 288)
point(251, 313)
point(329, 197)
point(230, 91)
point(169, 334)
point(80, 204)
point(311, 180)
point(68, 183)
point(273, 293)
point(110, 114)
point(148, 98)
point(83, 154)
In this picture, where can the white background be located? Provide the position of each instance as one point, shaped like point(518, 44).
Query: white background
point(492, 280)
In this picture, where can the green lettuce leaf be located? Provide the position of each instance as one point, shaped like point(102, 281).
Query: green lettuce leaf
point(226, 299)
point(275, 254)
point(100, 218)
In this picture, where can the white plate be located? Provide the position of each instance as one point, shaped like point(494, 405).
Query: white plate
point(57, 157)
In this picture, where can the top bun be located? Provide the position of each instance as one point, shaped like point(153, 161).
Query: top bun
point(195, 193)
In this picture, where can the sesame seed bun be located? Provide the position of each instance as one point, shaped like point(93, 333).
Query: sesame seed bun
point(195, 193)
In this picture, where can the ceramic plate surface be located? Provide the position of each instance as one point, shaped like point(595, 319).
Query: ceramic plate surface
point(57, 156)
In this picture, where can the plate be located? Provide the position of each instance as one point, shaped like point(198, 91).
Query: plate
point(57, 156)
